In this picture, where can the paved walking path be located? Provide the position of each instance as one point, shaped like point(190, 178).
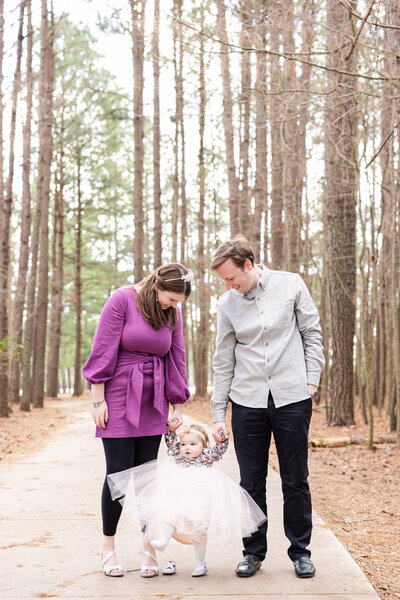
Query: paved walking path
point(50, 539)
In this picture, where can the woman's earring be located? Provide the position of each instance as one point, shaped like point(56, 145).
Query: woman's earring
point(156, 291)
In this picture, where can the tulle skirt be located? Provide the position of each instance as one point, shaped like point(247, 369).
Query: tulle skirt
point(203, 504)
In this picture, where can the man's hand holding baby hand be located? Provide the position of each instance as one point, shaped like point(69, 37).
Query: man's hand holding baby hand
point(220, 432)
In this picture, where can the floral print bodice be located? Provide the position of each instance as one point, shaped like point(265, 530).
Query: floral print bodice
point(207, 458)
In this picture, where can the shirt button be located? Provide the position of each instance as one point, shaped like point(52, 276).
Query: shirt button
point(266, 343)
point(269, 377)
point(268, 359)
point(261, 312)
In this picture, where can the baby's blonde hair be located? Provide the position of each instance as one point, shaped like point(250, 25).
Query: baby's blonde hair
point(204, 441)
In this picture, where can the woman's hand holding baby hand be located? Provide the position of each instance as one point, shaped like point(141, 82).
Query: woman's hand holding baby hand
point(173, 424)
point(176, 418)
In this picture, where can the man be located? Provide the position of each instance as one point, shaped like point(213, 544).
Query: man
point(268, 362)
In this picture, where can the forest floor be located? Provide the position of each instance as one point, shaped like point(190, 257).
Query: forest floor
point(355, 490)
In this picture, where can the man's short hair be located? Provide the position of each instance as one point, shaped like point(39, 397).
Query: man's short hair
point(238, 250)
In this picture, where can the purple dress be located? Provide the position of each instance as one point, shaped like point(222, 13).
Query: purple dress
point(143, 369)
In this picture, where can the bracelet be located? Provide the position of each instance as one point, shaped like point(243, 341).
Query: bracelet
point(96, 404)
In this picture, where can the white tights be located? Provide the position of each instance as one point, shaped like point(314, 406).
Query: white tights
point(200, 552)
point(166, 533)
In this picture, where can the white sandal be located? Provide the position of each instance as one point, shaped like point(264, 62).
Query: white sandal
point(152, 568)
point(110, 568)
point(170, 568)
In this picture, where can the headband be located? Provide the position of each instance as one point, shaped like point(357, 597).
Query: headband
point(184, 429)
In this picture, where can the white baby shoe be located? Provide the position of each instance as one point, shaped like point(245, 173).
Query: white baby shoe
point(170, 568)
point(199, 570)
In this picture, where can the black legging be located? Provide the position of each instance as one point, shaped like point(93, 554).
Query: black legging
point(121, 454)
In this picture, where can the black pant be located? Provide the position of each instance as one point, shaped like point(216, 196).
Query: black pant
point(121, 454)
point(252, 428)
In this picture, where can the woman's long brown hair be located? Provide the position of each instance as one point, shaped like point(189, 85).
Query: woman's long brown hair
point(146, 300)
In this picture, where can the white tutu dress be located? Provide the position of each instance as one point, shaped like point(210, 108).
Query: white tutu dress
point(203, 504)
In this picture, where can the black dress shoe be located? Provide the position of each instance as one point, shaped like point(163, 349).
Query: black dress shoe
point(248, 566)
point(303, 567)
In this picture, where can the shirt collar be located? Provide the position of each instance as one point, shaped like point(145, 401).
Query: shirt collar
point(265, 275)
point(262, 282)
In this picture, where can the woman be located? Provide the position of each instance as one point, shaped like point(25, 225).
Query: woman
point(137, 368)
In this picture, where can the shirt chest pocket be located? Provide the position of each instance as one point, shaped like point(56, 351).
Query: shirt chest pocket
point(278, 316)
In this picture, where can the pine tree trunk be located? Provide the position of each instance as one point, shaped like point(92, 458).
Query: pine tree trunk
point(6, 349)
point(291, 180)
point(366, 330)
point(233, 182)
point(25, 216)
point(4, 407)
point(69, 382)
point(46, 78)
point(275, 111)
point(1, 133)
point(340, 200)
point(156, 138)
point(30, 311)
point(180, 129)
point(175, 198)
point(266, 237)
point(201, 364)
point(260, 187)
point(58, 273)
point(244, 104)
point(303, 104)
point(78, 284)
point(325, 326)
point(116, 249)
point(389, 193)
point(380, 358)
point(396, 292)
point(177, 120)
point(138, 23)
point(180, 125)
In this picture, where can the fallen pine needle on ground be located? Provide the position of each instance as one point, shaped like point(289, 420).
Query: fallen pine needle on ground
point(25, 432)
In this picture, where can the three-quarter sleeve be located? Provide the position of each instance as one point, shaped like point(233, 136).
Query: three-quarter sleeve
point(100, 365)
point(176, 388)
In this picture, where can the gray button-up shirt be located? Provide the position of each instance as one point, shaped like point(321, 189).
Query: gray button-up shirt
point(267, 341)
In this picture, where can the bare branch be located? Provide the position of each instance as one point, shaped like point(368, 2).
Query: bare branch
point(387, 138)
point(282, 55)
point(383, 25)
point(350, 52)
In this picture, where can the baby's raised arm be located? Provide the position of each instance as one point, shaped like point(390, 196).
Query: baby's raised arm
point(173, 443)
point(216, 452)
